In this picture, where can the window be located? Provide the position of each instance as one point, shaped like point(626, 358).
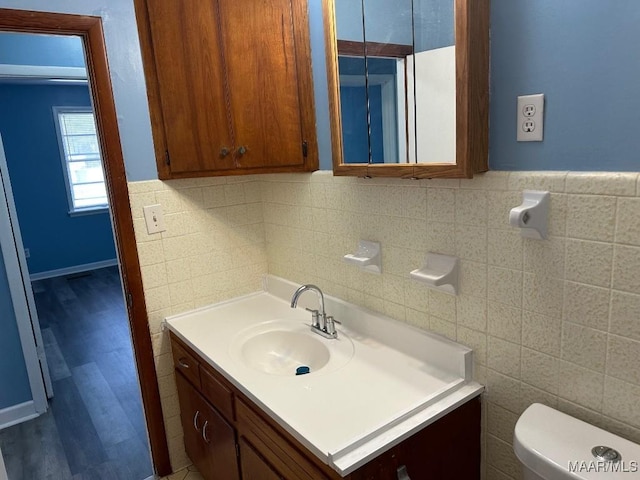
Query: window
point(81, 160)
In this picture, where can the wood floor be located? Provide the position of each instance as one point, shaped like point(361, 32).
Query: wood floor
point(94, 428)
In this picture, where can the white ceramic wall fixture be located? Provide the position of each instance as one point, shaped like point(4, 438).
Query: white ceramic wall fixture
point(368, 256)
point(532, 215)
point(439, 272)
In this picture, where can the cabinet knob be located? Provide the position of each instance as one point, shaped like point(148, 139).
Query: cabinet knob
point(242, 150)
point(204, 432)
point(195, 421)
point(224, 151)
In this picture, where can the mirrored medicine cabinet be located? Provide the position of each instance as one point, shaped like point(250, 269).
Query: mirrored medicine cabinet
point(408, 87)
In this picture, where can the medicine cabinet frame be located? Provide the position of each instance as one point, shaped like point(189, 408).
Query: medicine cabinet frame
point(472, 100)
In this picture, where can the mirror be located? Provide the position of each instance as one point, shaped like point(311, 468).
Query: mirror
point(408, 87)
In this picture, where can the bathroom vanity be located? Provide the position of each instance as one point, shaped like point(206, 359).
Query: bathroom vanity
point(382, 401)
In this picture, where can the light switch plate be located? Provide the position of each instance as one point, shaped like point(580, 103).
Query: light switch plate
point(154, 218)
point(530, 118)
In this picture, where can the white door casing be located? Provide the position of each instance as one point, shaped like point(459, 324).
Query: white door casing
point(22, 295)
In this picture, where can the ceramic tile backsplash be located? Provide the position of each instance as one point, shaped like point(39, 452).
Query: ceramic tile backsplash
point(554, 321)
point(214, 248)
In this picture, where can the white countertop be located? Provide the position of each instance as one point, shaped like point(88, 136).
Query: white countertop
point(399, 380)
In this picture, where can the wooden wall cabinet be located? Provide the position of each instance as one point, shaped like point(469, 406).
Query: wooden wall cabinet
point(229, 85)
point(241, 442)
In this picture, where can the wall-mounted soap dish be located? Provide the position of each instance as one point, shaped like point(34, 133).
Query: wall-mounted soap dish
point(440, 272)
point(368, 257)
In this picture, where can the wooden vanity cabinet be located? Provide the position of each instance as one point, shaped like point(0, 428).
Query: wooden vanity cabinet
point(229, 85)
point(245, 443)
point(254, 466)
point(209, 440)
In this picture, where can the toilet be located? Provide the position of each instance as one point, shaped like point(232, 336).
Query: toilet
point(554, 446)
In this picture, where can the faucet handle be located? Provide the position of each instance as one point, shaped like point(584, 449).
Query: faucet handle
point(331, 326)
point(315, 317)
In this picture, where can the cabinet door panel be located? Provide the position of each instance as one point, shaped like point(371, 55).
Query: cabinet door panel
point(209, 440)
point(192, 420)
point(220, 440)
point(254, 467)
point(260, 54)
point(186, 46)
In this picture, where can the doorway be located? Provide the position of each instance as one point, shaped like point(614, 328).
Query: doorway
point(94, 427)
point(89, 29)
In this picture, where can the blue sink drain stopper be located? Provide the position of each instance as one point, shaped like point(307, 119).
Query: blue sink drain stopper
point(303, 370)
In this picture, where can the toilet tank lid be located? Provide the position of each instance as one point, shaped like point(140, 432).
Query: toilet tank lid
point(557, 446)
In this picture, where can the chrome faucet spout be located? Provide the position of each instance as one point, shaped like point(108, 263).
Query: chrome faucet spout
point(304, 288)
point(320, 322)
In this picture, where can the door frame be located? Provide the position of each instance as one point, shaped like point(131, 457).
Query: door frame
point(89, 29)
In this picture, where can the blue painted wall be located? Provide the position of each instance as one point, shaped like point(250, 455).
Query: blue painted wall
point(386, 22)
point(49, 50)
point(127, 77)
point(572, 50)
point(353, 102)
point(390, 22)
point(434, 24)
point(55, 239)
point(354, 121)
point(14, 382)
point(584, 56)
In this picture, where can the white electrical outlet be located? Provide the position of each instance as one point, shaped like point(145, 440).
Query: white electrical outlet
point(530, 118)
point(154, 218)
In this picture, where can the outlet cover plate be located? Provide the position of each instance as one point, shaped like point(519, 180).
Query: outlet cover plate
point(530, 118)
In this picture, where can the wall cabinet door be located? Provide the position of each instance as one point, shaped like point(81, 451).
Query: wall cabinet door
point(209, 440)
point(191, 78)
point(230, 86)
point(264, 93)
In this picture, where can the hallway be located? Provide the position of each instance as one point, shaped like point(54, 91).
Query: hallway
point(95, 427)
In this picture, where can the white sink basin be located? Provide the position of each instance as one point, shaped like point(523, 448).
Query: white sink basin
point(281, 347)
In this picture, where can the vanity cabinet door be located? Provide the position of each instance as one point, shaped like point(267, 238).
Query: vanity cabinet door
point(192, 420)
point(209, 440)
point(254, 467)
point(276, 452)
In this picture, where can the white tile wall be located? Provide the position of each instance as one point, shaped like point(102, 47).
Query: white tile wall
point(214, 248)
point(554, 321)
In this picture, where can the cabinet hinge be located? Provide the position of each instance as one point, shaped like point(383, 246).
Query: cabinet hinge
point(237, 450)
point(305, 149)
point(129, 300)
point(167, 159)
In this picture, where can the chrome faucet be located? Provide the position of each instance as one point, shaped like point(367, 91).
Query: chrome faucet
point(320, 323)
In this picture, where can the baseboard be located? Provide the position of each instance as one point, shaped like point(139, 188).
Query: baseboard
point(75, 269)
point(17, 414)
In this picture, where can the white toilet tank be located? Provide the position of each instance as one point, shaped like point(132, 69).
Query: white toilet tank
point(554, 446)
